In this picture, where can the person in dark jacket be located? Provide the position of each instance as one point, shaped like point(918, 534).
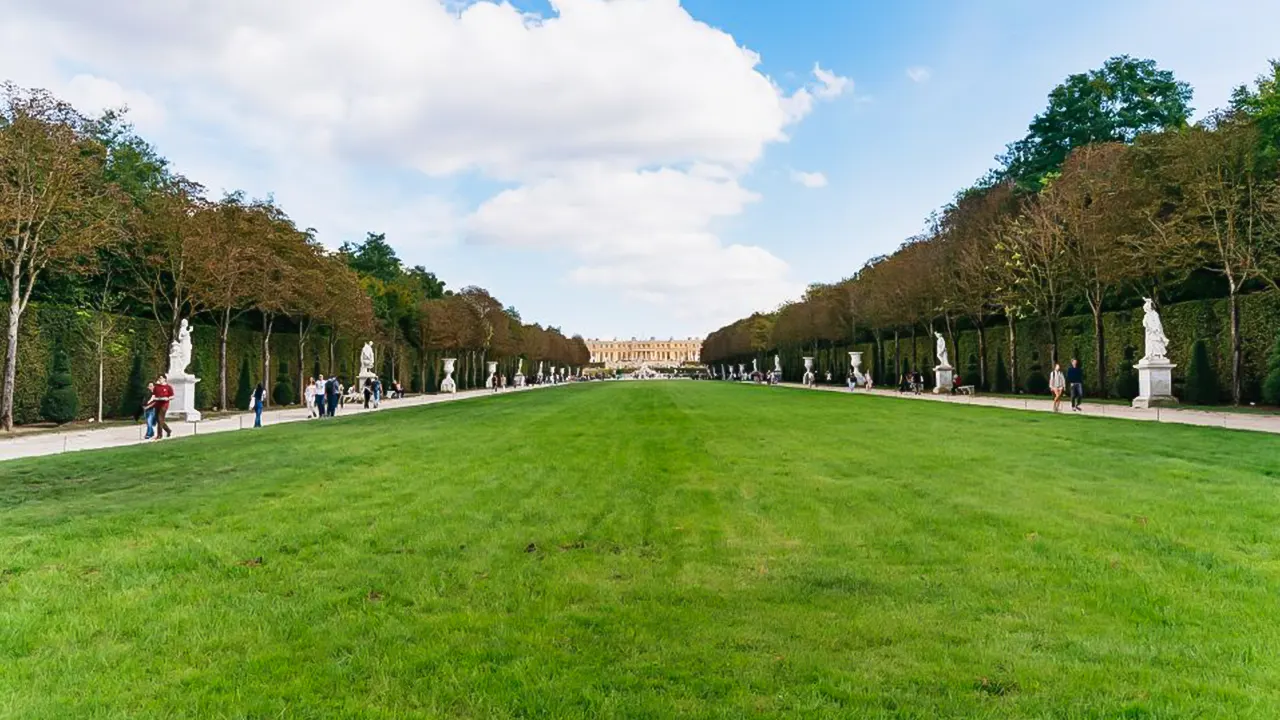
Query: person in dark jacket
point(259, 398)
point(1075, 381)
point(331, 395)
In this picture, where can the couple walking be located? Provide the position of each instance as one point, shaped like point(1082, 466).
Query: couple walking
point(156, 408)
point(1074, 378)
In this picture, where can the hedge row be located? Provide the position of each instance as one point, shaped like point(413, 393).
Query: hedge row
point(1185, 324)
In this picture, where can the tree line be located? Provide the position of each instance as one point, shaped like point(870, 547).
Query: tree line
point(93, 217)
point(1113, 195)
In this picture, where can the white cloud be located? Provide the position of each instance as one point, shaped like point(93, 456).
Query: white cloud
point(919, 74)
point(630, 97)
point(809, 179)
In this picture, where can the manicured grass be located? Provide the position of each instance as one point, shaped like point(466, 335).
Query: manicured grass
point(650, 550)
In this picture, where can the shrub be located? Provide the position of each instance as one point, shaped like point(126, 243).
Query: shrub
point(1126, 379)
point(201, 394)
point(1002, 375)
point(1271, 381)
point(244, 388)
point(282, 393)
point(60, 403)
point(135, 390)
point(1202, 382)
point(1037, 383)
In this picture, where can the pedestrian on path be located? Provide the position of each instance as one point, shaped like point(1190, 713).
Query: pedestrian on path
point(1057, 384)
point(320, 393)
point(149, 411)
point(331, 396)
point(259, 396)
point(309, 397)
point(1075, 379)
point(160, 396)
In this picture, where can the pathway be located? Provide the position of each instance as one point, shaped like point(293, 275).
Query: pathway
point(1181, 416)
point(52, 443)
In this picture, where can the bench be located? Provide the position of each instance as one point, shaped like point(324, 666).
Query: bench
point(966, 390)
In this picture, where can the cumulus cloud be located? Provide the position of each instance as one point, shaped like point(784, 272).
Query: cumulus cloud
point(621, 127)
point(919, 74)
point(809, 179)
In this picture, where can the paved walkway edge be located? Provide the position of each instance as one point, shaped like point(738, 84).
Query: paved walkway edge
point(98, 438)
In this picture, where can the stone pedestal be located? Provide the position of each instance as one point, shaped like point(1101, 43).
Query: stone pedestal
point(519, 381)
point(183, 404)
point(493, 375)
point(945, 375)
point(1155, 383)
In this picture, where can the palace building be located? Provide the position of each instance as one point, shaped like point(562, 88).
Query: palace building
point(634, 352)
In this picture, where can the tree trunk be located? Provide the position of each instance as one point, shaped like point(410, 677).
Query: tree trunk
point(951, 337)
point(333, 350)
point(1099, 351)
point(11, 357)
point(101, 362)
point(897, 355)
point(222, 361)
point(1235, 346)
point(1013, 353)
point(982, 355)
point(268, 321)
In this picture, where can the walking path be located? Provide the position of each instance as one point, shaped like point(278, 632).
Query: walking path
point(95, 438)
point(1181, 416)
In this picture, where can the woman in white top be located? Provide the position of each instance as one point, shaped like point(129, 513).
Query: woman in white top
point(1057, 383)
point(309, 394)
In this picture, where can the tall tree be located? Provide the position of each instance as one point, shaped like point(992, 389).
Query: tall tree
point(1115, 103)
point(57, 208)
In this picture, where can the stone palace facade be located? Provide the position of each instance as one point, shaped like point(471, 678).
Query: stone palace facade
point(633, 352)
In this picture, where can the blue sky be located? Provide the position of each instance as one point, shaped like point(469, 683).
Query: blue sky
point(622, 169)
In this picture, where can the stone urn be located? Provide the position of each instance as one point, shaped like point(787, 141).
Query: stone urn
point(855, 368)
point(493, 374)
point(808, 371)
point(448, 385)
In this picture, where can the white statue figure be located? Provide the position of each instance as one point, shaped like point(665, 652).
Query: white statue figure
point(1157, 343)
point(366, 360)
point(493, 375)
point(777, 364)
point(755, 366)
point(448, 385)
point(180, 351)
point(943, 361)
point(519, 366)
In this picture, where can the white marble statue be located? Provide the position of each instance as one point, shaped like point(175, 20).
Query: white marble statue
point(493, 375)
point(180, 351)
point(943, 361)
point(777, 364)
point(1157, 343)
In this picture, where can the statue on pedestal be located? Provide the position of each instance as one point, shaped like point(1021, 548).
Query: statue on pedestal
point(448, 385)
point(1157, 344)
point(183, 403)
point(943, 361)
point(180, 351)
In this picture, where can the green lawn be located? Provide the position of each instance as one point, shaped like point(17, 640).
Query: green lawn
point(650, 550)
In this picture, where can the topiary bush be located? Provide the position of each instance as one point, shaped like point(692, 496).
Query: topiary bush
point(244, 387)
point(1002, 375)
point(1271, 380)
point(1202, 382)
point(135, 390)
point(971, 372)
point(282, 393)
point(60, 403)
point(1037, 383)
point(201, 393)
point(1125, 382)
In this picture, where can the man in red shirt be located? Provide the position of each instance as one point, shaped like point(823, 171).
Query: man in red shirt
point(161, 395)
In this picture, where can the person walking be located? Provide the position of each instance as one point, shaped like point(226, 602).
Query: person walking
point(149, 411)
point(309, 397)
point(1057, 384)
point(259, 397)
point(320, 393)
point(160, 395)
point(331, 396)
point(368, 392)
point(1075, 380)
point(377, 392)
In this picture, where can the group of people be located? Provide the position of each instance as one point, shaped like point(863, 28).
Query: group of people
point(156, 407)
point(324, 396)
point(1072, 379)
point(912, 382)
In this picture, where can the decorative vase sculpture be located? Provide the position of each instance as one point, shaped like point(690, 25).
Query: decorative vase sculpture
point(855, 369)
point(448, 385)
point(808, 371)
point(493, 375)
point(1155, 372)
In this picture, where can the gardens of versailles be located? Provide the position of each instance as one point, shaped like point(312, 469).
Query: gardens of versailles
point(624, 549)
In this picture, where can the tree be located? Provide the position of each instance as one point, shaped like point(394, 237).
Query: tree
point(1115, 103)
point(1261, 105)
point(56, 207)
point(1202, 381)
point(1271, 383)
point(244, 388)
point(169, 231)
point(60, 403)
point(1218, 211)
point(376, 258)
point(135, 388)
point(282, 393)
